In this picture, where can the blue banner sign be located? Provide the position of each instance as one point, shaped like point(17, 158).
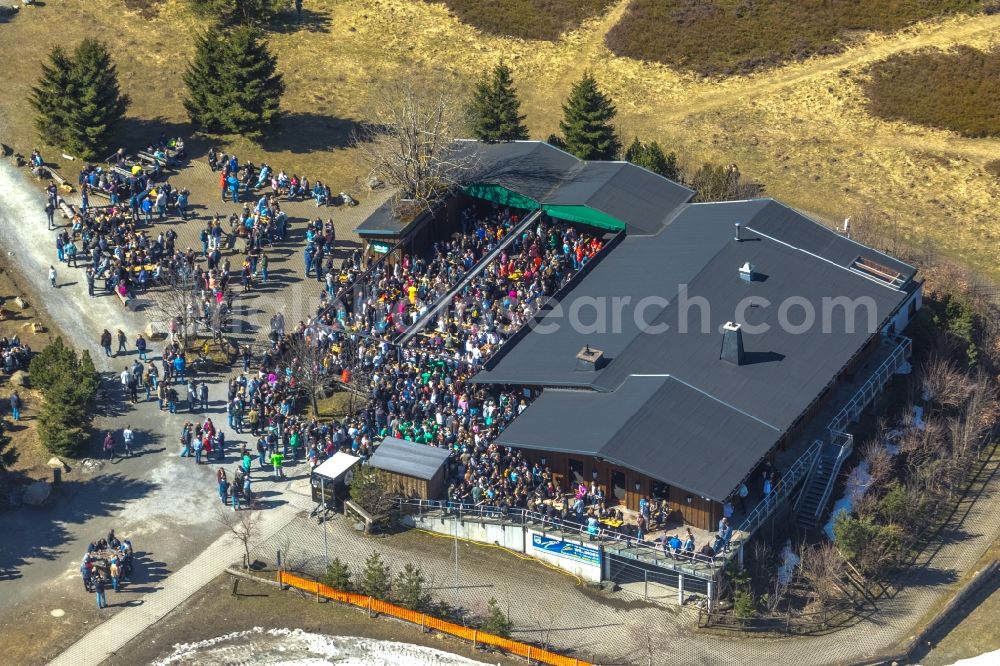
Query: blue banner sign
point(573, 551)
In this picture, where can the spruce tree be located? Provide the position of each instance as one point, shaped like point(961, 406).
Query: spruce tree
point(233, 85)
point(494, 113)
point(586, 124)
point(202, 81)
point(98, 105)
point(50, 97)
point(652, 157)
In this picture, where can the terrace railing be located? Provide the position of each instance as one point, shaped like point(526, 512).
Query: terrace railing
point(632, 548)
point(781, 491)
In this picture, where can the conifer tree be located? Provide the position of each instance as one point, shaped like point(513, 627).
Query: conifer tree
point(494, 113)
point(98, 104)
point(652, 157)
point(233, 84)
point(586, 124)
point(49, 98)
point(202, 81)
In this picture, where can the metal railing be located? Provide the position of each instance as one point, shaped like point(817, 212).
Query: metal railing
point(781, 491)
point(867, 392)
point(633, 547)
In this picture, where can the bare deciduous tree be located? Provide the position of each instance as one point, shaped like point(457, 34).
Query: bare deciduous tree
point(410, 144)
point(880, 463)
point(654, 641)
point(176, 304)
point(242, 526)
point(308, 372)
point(822, 567)
point(945, 385)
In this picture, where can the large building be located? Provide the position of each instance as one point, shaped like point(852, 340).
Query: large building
point(705, 341)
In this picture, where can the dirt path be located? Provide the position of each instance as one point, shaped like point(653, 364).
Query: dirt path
point(940, 35)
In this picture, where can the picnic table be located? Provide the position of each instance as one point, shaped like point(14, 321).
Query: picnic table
point(613, 523)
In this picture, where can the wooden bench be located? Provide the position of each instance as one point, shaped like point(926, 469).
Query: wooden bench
point(121, 171)
point(150, 158)
point(97, 192)
point(68, 209)
point(63, 184)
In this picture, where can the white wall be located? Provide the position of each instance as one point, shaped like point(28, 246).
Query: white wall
point(508, 536)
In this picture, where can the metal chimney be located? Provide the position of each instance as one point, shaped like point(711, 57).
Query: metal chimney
point(732, 343)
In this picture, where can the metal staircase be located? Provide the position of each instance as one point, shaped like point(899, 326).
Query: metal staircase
point(815, 494)
point(839, 444)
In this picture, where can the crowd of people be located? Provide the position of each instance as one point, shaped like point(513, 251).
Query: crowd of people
point(108, 562)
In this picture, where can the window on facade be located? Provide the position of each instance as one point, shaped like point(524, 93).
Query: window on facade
point(576, 472)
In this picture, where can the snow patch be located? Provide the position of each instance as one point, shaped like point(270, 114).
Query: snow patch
point(294, 647)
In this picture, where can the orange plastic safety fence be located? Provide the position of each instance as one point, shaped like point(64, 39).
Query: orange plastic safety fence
point(429, 621)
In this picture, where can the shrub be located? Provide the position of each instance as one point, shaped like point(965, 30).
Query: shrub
point(526, 19)
point(409, 588)
point(652, 157)
point(78, 100)
point(955, 90)
point(69, 383)
point(338, 576)
point(722, 37)
point(375, 578)
point(496, 621)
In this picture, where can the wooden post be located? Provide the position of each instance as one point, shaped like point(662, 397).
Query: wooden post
point(475, 637)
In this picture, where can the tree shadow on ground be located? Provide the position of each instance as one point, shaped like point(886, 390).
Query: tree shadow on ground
point(42, 533)
point(137, 133)
point(956, 618)
point(312, 132)
point(310, 21)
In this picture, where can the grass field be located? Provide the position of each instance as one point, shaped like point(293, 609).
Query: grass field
point(957, 90)
point(739, 36)
point(803, 129)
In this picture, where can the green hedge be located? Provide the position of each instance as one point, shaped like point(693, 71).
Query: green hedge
point(724, 37)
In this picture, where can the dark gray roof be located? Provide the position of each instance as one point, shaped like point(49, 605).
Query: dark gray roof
point(383, 222)
point(530, 168)
point(658, 426)
point(402, 457)
point(638, 197)
point(784, 370)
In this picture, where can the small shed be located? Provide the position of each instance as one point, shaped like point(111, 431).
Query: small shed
point(414, 470)
point(330, 479)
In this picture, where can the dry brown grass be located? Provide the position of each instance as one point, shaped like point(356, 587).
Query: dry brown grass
point(803, 129)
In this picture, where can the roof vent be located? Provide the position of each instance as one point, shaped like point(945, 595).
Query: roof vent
point(732, 343)
point(590, 360)
point(746, 272)
point(738, 237)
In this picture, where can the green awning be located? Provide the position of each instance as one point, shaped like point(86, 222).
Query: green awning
point(501, 195)
point(585, 215)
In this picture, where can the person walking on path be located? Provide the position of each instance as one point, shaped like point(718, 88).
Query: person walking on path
point(128, 437)
point(203, 395)
point(106, 342)
point(234, 493)
point(89, 273)
point(192, 393)
point(186, 440)
point(99, 590)
point(15, 406)
point(140, 345)
point(122, 342)
point(50, 209)
point(109, 445)
point(52, 275)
